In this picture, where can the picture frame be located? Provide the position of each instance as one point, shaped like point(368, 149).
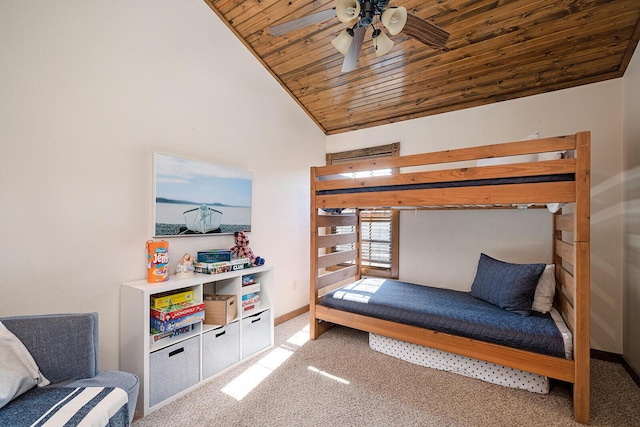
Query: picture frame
point(194, 198)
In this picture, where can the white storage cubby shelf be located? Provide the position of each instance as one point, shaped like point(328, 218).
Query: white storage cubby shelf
point(170, 367)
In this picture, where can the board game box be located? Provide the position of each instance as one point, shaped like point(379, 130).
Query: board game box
point(166, 299)
point(214, 255)
point(158, 326)
point(175, 311)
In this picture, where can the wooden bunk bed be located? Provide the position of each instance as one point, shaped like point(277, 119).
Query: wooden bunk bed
point(474, 187)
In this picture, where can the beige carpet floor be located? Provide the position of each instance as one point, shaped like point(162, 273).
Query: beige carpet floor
point(338, 380)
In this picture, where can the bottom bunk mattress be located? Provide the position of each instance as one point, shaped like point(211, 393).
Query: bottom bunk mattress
point(452, 312)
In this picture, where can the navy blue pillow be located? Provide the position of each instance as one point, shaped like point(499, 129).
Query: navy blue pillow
point(509, 286)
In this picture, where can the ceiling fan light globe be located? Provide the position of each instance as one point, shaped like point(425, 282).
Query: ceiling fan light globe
point(347, 10)
point(394, 19)
point(383, 44)
point(342, 42)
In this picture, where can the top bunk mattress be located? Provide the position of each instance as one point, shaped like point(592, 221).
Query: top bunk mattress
point(455, 184)
point(448, 311)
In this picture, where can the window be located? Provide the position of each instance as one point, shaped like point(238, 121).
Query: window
point(379, 228)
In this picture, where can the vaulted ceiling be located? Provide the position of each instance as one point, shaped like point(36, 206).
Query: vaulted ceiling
point(497, 50)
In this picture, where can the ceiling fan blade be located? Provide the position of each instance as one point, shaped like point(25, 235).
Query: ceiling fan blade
point(314, 18)
point(425, 31)
point(351, 59)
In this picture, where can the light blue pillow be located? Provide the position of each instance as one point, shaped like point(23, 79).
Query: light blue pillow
point(18, 371)
point(508, 286)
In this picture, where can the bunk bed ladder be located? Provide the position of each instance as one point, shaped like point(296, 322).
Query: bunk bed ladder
point(330, 267)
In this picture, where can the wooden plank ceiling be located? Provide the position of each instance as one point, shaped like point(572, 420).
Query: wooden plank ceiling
point(498, 50)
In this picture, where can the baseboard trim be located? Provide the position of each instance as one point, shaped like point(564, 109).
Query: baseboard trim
point(288, 316)
point(606, 356)
point(633, 374)
point(616, 358)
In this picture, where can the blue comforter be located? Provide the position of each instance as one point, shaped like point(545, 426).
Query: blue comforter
point(449, 311)
point(67, 406)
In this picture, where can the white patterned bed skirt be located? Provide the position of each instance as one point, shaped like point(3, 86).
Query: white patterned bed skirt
point(473, 368)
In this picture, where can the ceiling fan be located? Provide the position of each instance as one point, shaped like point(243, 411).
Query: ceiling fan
point(361, 14)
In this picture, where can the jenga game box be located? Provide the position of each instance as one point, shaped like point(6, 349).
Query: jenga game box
point(157, 261)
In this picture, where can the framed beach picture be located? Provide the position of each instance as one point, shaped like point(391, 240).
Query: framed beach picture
point(194, 198)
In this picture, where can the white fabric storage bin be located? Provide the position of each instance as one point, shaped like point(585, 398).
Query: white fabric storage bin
point(256, 333)
point(220, 348)
point(173, 369)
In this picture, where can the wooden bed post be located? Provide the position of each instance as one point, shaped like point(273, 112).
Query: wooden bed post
point(313, 259)
point(581, 388)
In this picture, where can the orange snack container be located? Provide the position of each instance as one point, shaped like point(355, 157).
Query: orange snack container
point(157, 261)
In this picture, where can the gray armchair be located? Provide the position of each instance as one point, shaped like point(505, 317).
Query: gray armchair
point(65, 347)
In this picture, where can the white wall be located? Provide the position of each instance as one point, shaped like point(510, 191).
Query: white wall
point(89, 91)
point(445, 251)
point(442, 248)
point(631, 109)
